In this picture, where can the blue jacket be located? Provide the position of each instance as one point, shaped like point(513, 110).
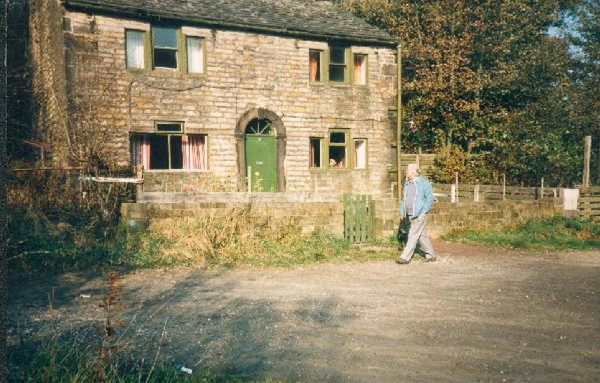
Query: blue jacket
point(423, 197)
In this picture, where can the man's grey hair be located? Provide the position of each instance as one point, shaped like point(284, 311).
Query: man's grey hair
point(415, 167)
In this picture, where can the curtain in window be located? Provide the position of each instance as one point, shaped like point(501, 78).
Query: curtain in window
point(141, 151)
point(360, 70)
point(195, 55)
point(194, 152)
point(135, 49)
point(360, 154)
point(314, 66)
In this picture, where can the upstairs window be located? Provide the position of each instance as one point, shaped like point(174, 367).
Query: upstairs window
point(134, 41)
point(338, 68)
point(315, 65)
point(360, 69)
point(164, 47)
point(195, 54)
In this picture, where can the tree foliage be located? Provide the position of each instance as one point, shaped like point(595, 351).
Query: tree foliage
point(488, 78)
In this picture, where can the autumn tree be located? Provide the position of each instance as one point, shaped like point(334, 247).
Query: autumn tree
point(483, 77)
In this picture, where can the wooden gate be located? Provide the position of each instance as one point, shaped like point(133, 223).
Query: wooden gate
point(358, 218)
point(589, 203)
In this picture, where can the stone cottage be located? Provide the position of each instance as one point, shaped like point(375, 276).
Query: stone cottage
point(199, 93)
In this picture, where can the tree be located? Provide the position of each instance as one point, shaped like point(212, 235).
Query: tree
point(483, 76)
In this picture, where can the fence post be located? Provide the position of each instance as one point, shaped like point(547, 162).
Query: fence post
point(503, 186)
point(587, 143)
point(476, 193)
point(453, 193)
point(542, 189)
point(456, 183)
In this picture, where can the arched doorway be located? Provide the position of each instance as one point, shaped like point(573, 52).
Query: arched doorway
point(260, 136)
point(261, 154)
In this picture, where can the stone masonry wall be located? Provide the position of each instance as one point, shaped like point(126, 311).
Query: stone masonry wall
point(309, 212)
point(245, 71)
point(445, 216)
point(46, 45)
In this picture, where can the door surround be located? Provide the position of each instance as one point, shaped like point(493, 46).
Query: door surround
point(240, 135)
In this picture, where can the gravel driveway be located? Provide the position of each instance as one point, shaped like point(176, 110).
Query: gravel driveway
point(477, 315)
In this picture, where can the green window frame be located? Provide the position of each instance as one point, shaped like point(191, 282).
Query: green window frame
point(338, 64)
point(166, 48)
point(360, 69)
point(338, 147)
point(316, 153)
point(169, 132)
point(132, 47)
point(193, 64)
point(316, 74)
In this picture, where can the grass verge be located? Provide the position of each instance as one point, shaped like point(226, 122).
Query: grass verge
point(556, 233)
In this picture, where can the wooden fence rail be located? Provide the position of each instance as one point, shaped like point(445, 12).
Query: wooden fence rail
point(494, 192)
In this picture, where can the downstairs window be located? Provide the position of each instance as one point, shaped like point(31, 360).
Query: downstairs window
point(161, 151)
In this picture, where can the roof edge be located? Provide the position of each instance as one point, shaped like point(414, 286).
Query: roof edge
point(132, 11)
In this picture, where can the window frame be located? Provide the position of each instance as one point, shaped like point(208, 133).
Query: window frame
point(322, 66)
point(178, 51)
point(354, 140)
point(347, 57)
point(321, 140)
point(346, 145)
point(184, 39)
point(366, 63)
point(145, 45)
point(169, 135)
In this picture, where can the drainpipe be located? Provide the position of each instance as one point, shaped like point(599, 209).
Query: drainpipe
point(399, 123)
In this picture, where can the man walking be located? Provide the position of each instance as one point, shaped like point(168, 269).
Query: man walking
point(416, 202)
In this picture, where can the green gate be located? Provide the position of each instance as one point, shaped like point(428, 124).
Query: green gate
point(261, 157)
point(358, 218)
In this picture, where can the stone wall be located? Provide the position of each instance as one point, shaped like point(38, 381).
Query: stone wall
point(47, 63)
point(445, 216)
point(308, 215)
point(317, 211)
point(244, 72)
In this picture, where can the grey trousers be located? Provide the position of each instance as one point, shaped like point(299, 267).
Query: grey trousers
point(418, 235)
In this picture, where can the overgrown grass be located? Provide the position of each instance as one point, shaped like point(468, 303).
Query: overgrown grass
point(235, 239)
point(557, 233)
point(62, 361)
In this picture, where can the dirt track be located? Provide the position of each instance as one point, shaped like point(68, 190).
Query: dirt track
point(476, 315)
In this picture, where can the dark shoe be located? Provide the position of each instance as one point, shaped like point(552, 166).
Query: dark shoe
point(401, 261)
point(432, 259)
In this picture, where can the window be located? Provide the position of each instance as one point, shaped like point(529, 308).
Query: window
point(134, 41)
point(315, 152)
point(360, 69)
point(337, 64)
point(315, 65)
point(360, 153)
point(166, 151)
point(195, 54)
point(338, 151)
point(164, 47)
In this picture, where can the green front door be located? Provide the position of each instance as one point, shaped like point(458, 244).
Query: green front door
point(261, 156)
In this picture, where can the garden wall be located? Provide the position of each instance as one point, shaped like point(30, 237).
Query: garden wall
point(310, 212)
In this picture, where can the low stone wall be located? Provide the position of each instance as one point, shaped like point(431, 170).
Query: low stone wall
point(306, 212)
point(310, 212)
point(445, 216)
